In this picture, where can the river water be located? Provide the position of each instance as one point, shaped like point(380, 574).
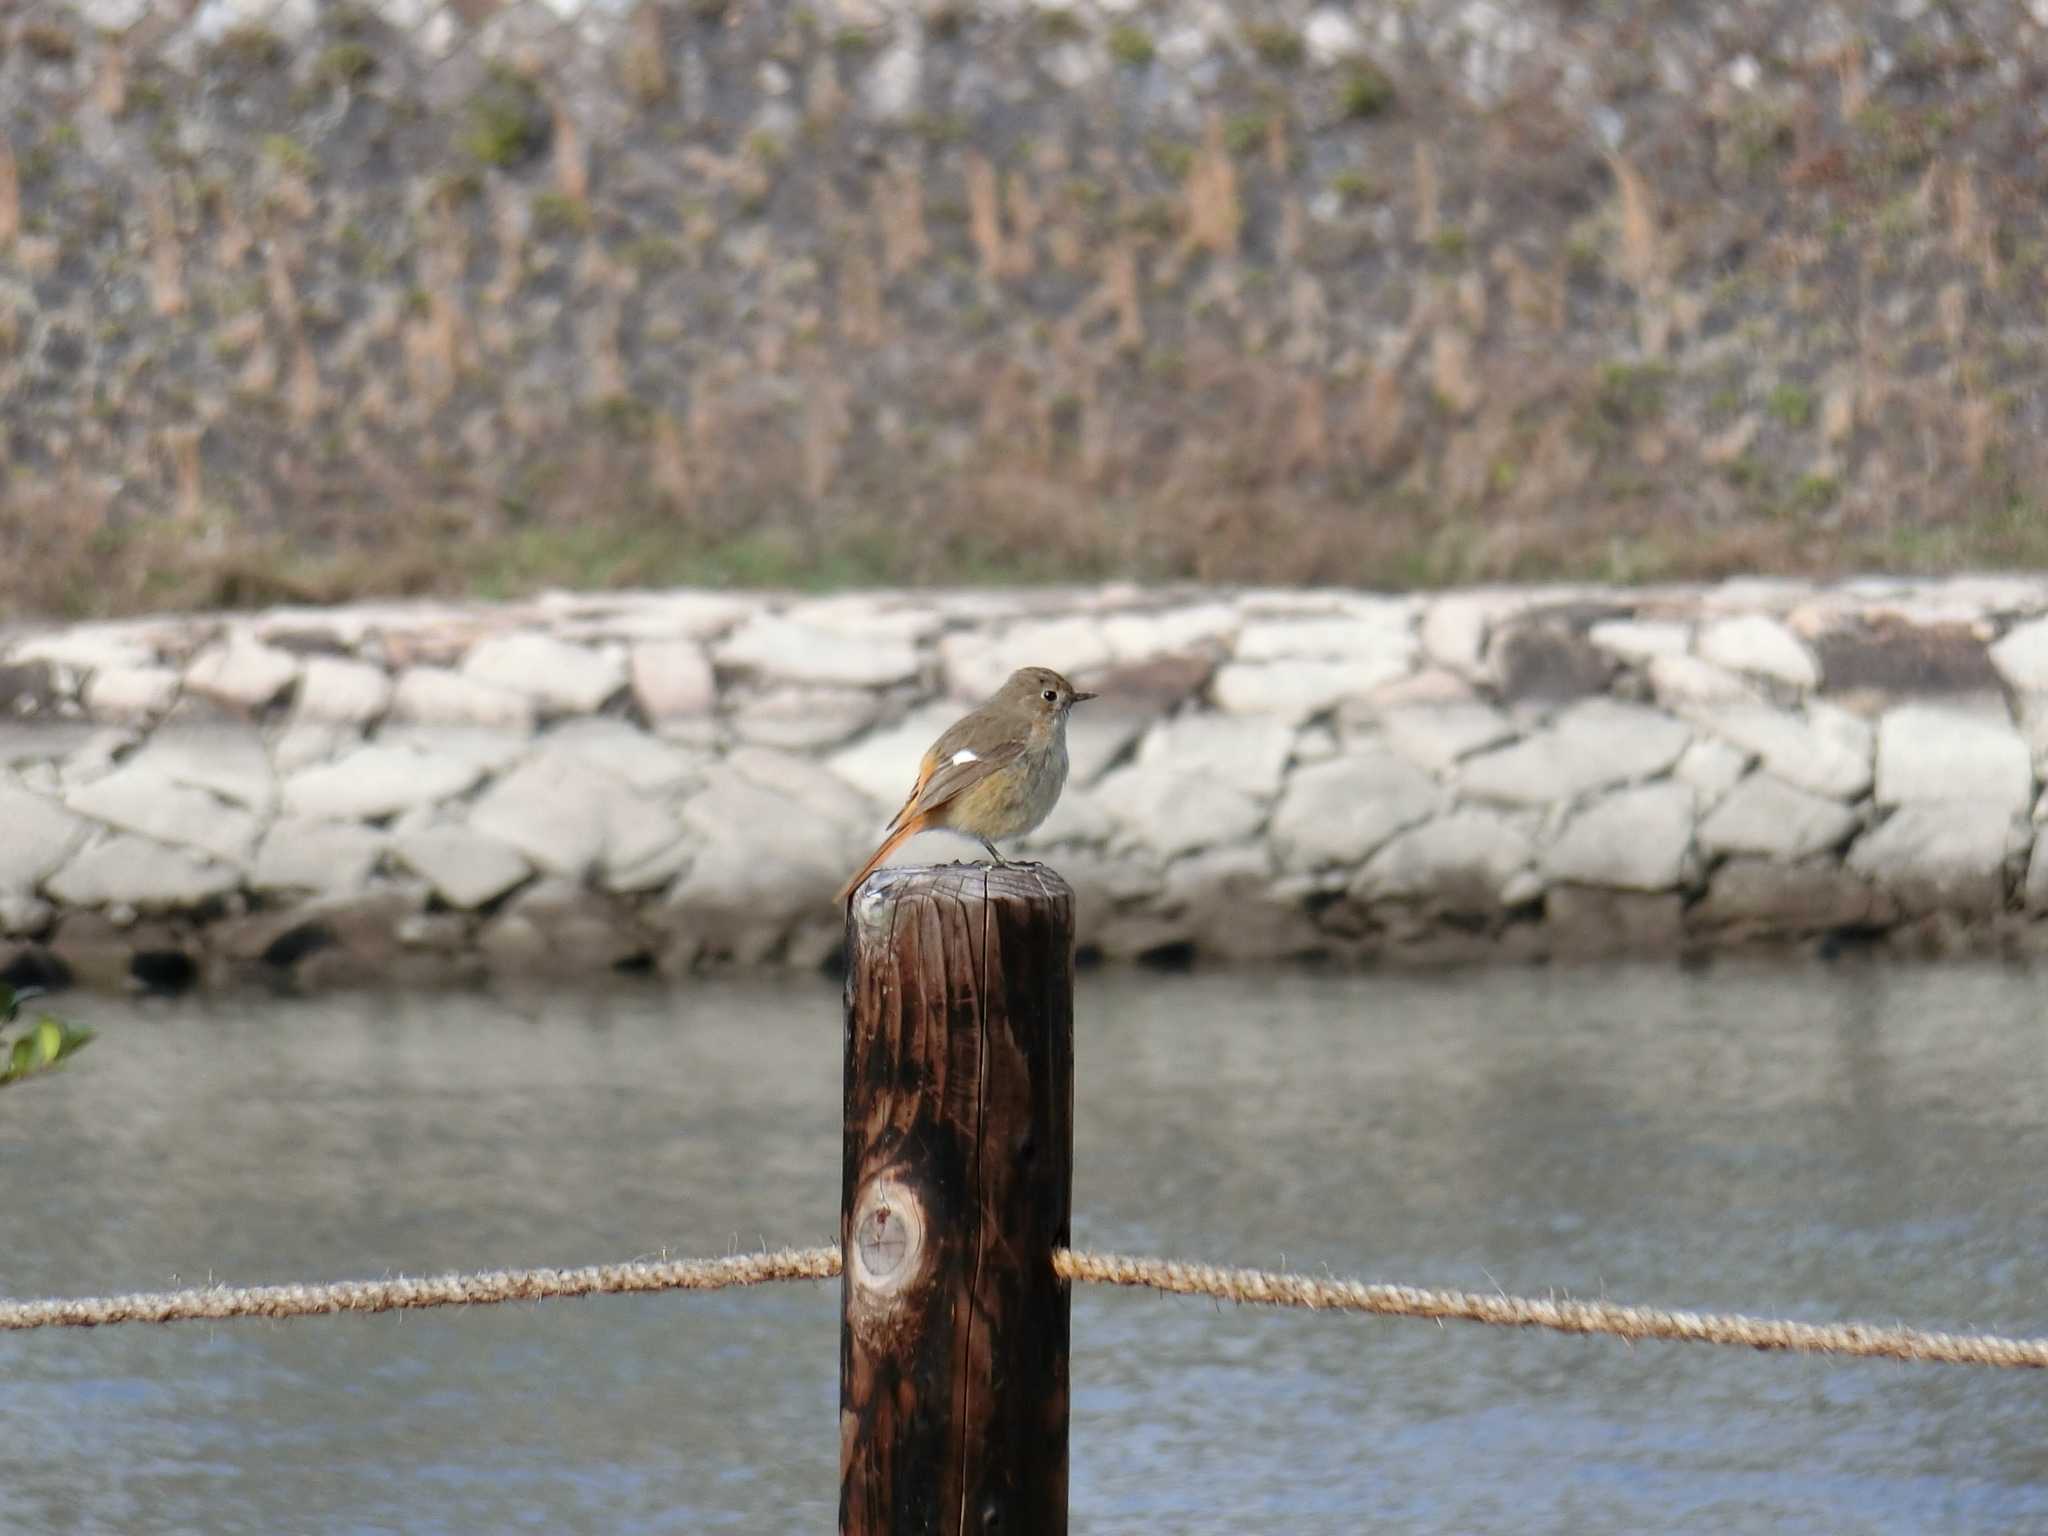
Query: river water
point(1862, 1142)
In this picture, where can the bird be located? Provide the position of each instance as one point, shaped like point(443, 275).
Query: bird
point(996, 772)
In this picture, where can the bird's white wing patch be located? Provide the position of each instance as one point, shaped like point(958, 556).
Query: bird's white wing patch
point(964, 755)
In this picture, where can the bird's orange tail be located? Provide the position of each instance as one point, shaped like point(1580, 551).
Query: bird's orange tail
point(894, 840)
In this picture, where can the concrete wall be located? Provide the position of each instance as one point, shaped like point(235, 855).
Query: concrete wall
point(682, 779)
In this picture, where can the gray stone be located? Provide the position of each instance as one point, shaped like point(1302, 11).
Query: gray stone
point(1592, 744)
point(863, 616)
point(1635, 839)
point(1678, 681)
point(327, 858)
point(762, 864)
point(224, 757)
point(439, 696)
point(302, 743)
point(465, 868)
point(1169, 631)
point(883, 764)
point(1382, 640)
point(643, 762)
point(672, 679)
point(560, 678)
point(486, 748)
point(44, 740)
point(374, 781)
point(1295, 691)
point(1796, 750)
point(1711, 767)
point(138, 798)
point(777, 650)
point(1811, 897)
point(1079, 817)
point(91, 647)
point(2021, 658)
point(96, 756)
point(833, 806)
point(1589, 922)
point(1926, 752)
point(1331, 36)
point(1102, 731)
point(1760, 645)
point(644, 845)
point(976, 662)
point(139, 872)
point(340, 691)
point(1942, 856)
point(40, 835)
point(2036, 889)
point(1437, 736)
point(241, 671)
point(805, 719)
point(24, 917)
point(1455, 627)
point(1172, 813)
point(552, 810)
point(1638, 640)
point(130, 693)
point(1343, 811)
point(1249, 755)
point(1469, 861)
point(1765, 815)
point(559, 928)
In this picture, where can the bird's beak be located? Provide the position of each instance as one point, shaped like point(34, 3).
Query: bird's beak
point(1082, 698)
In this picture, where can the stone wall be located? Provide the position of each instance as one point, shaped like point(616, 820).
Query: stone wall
point(675, 780)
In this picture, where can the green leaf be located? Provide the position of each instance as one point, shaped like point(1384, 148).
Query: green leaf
point(18, 1059)
point(48, 1036)
point(7, 1003)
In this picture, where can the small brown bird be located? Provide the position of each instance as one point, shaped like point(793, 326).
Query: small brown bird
point(995, 773)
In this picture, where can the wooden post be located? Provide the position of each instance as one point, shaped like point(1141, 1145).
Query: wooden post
point(958, 1183)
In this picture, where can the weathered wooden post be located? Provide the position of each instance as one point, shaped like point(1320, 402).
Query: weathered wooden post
point(958, 1183)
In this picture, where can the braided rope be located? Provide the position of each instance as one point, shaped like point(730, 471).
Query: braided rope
point(1266, 1288)
point(1247, 1286)
point(220, 1301)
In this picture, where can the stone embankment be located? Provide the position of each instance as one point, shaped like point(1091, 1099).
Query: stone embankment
point(674, 780)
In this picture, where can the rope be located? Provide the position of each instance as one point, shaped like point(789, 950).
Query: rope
point(221, 1301)
point(1266, 1288)
point(1250, 1286)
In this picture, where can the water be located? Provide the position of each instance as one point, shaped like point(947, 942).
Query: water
point(1821, 1143)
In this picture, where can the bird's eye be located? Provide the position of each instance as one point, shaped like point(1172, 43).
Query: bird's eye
point(1050, 696)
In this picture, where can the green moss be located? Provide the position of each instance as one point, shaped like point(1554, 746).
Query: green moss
point(1811, 494)
point(652, 253)
point(48, 42)
point(1245, 132)
point(1131, 46)
point(1792, 404)
point(250, 47)
point(1061, 25)
point(1354, 185)
point(556, 213)
point(505, 122)
point(1365, 93)
point(1173, 158)
point(288, 154)
point(1281, 47)
point(1451, 242)
point(344, 64)
point(852, 40)
point(1625, 396)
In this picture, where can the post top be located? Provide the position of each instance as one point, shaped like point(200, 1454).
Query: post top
point(959, 882)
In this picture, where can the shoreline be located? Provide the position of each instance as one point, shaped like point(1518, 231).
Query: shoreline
point(423, 793)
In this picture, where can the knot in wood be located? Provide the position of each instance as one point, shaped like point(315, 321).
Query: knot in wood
point(888, 1246)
